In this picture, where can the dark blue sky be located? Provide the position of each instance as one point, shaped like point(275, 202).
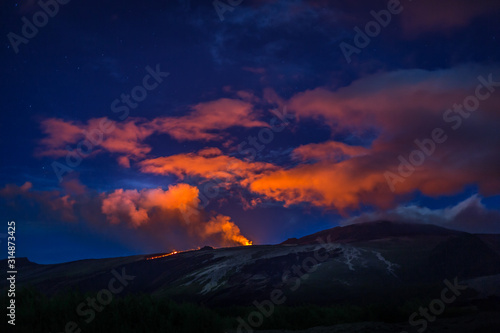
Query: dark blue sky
point(331, 163)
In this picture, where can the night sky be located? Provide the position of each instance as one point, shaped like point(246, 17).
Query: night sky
point(132, 127)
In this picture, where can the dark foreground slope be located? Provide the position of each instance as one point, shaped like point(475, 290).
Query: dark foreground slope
point(381, 271)
point(352, 262)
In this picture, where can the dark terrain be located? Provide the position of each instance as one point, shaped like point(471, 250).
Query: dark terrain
point(401, 266)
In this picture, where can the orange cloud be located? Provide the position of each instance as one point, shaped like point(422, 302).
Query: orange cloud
point(360, 180)
point(400, 107)
point(126, 138)
point(221, 224)
point(74, 187)
point(60, 133)
point(207, 163)
point(209, 118)
point(388, 101)
point(340, 186)
point(133, 206)
point(329, 150)
point(397, 108)
point(176, 206)
point(445, 15)
point(403, 108)
point(171, 216)
point(99, 134)
point(324, 184)
point(46, 204)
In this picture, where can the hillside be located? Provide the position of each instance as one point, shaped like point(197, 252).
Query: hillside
point(341, 264)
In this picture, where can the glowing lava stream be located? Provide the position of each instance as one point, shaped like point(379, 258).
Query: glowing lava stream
point(164, 255)
point(248, 243)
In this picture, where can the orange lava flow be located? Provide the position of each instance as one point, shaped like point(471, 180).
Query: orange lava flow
point(245, 243)
point(163, 255)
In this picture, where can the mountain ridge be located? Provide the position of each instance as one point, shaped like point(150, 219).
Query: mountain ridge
point(374, 230)
point(377, 259)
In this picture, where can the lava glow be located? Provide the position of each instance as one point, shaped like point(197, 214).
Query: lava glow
point(163, 255)
point(246, 243)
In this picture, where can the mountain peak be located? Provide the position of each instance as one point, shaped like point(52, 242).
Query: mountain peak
point(375, 230)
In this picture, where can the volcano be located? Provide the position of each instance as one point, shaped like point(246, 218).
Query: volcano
point(344, 263)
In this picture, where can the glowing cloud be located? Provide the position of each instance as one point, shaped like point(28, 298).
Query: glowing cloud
point(330, 150)
point(208, 163)
point(209, 117)
point(176, 206)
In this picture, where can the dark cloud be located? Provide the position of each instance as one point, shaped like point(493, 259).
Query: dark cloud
point(469, 215)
